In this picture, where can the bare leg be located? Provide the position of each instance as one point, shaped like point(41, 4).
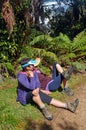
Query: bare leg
point(69, 106)
point(58, 103)
point(42, 106)
point(38, 101)
point(59, 68)
point(65, 83)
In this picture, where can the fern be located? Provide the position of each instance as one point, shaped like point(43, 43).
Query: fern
point(79, 45)
point(42, 41)
point(7, 69)
point(78, 66)
point(81, 37)
point(60, 48)
point(10, 68)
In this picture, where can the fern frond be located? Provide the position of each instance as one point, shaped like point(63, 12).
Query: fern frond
point(40, 38)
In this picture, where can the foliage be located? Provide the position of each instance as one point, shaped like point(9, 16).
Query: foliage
point(7, 69)
point(68, 19)
point(79, 66)
point(10, 45)
point(79, 47)
point(8, 52)
point(62, 46)
point(59, 48)
point(81, 38)
point(48, 57)
point(29, 41)
point(8, 15)
point(45, 41)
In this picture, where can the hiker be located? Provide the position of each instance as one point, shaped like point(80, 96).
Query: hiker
point(28, 90)
point(53, 83)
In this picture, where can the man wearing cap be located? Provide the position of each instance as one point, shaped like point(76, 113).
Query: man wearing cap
point(29, 91)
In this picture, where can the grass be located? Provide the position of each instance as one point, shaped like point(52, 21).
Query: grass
point(14, 116)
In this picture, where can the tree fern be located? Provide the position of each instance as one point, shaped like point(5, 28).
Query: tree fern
point(81, 38)
point(43, 41)
point(59, 48)
point(36, 52)
point(79, 44)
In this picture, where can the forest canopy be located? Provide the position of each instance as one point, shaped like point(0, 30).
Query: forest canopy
point(25, 32)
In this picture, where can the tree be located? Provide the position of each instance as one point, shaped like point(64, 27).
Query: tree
point(8, 15)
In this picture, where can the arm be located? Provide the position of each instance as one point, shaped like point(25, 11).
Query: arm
point(29, 84)
point(38, 84)
point(46, 91)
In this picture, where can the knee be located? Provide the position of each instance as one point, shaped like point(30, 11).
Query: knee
point(35, 97)
point(53, 89)
point(58, 65)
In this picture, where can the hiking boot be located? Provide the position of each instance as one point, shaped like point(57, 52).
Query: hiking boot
point(46, 113)
point(72, 106)
point(68, 91)
point(67, 74)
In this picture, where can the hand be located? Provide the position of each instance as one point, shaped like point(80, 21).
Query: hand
point(30, 73)
point(35, 92)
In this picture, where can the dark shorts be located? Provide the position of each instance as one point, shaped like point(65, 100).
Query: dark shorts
point(44, 97)
point(55, 84)
point(57, 80)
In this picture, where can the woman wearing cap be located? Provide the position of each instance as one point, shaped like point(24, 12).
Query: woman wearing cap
point(59, 76)
point(28, 90)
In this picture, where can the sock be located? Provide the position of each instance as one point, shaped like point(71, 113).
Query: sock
point(63, 73)
point(66, 88)
point(42, 106)
point(66, 106)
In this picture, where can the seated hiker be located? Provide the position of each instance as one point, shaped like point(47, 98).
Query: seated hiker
point(28, 90)
point(59, 76)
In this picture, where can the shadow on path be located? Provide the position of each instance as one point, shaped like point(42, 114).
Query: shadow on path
point(48, 125)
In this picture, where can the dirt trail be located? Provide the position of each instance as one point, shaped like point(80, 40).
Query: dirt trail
point(65, 120)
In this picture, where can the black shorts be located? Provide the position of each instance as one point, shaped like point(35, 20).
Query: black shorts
point(44, 97)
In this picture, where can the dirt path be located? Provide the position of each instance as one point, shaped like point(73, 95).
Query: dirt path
point(65, 120)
